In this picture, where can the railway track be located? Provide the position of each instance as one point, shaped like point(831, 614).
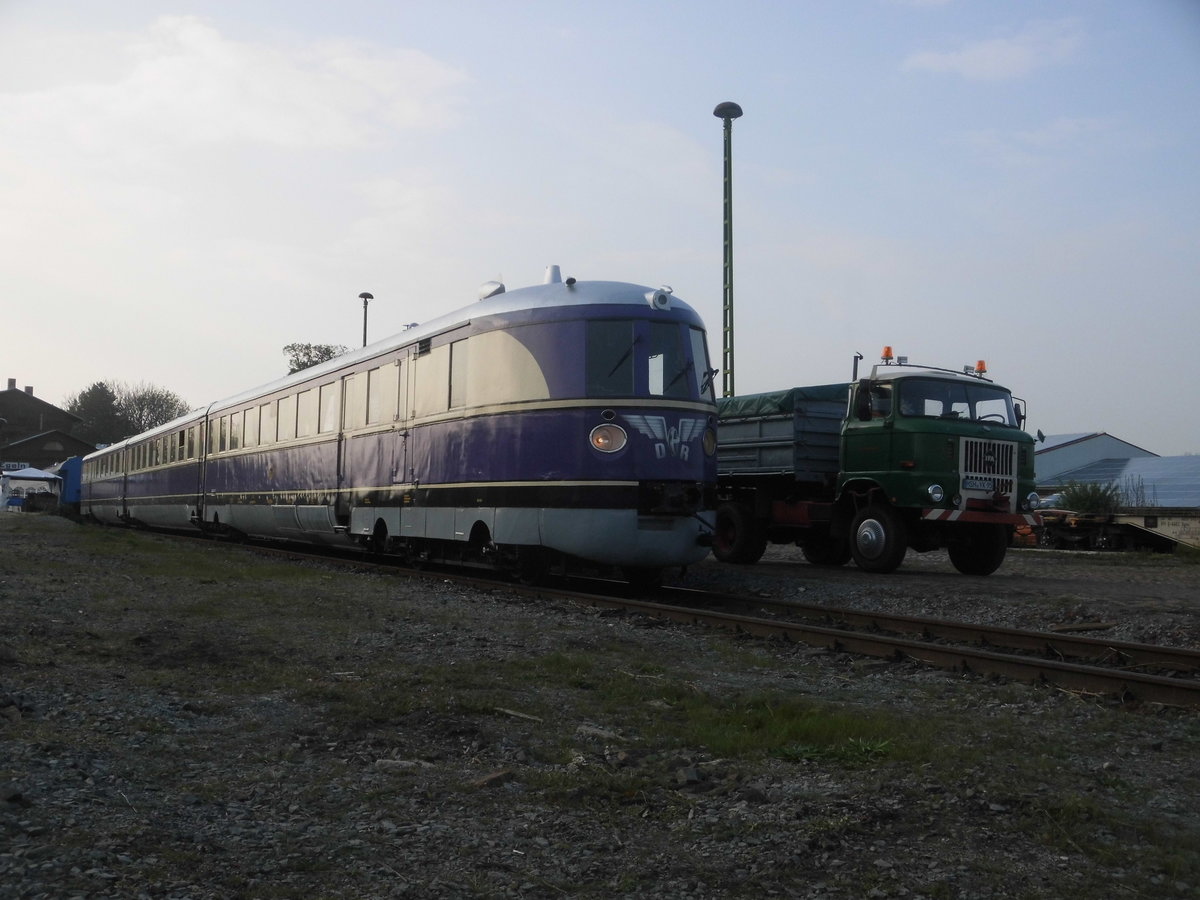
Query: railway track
point(1123, 669)
point(1146, 673)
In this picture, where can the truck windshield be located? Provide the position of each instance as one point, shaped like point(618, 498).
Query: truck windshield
point(944, 399)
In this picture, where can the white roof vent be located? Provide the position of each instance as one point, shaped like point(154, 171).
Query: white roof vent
point(490, 289)
point(553, 275)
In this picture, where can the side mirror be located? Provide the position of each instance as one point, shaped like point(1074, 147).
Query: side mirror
point(1020, 411)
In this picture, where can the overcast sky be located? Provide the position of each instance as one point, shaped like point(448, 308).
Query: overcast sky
point(188, 185)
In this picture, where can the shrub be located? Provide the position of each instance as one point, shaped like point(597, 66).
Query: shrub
point(1091, 498)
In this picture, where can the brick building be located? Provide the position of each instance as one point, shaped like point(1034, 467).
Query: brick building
point(35, 433)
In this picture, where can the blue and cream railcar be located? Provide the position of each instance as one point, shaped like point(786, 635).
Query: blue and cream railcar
point(152, 479)
point(572, 417)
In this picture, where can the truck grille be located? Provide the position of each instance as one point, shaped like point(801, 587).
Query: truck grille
point(989, 466)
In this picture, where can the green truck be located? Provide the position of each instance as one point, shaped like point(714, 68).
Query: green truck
point(912, 457)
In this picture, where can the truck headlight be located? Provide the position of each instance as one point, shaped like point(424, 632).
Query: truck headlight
point(608, 438)
point(936, 494)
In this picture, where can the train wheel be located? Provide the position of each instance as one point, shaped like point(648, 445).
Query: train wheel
point(826, 551)
point(737, 537)
point(981, 549)
point(878, 542)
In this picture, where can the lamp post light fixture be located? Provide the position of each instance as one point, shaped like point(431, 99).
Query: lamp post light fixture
point(728, 111)
point(365, 298)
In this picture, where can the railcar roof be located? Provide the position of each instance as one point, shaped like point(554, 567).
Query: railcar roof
point(554, 295)
point(540, 296)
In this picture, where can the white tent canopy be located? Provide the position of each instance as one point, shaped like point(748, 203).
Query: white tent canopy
point(31, 474)
point(24, 481)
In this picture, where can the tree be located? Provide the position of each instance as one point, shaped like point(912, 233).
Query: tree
point(302, 356)
point(103, 422)
point(114, 410)
point(147, 406)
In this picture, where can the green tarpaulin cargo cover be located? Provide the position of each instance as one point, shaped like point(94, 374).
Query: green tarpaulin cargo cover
point(780, 403)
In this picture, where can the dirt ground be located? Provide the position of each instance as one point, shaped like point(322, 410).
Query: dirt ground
point(199, 721)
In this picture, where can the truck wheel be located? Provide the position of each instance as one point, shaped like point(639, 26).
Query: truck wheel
point(980, 550)
point(826, 551)
point(878, 543)
point(737, 537)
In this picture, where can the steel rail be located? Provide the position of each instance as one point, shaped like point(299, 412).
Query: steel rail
point(1124, 684)
point(1054, 644)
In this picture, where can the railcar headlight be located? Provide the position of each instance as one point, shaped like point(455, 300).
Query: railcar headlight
point(608, 438)
point(936, 494)
point(710, 442)
point(1032, 501)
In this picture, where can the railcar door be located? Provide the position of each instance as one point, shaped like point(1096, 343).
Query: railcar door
point(401, 418)
point(201, 449)
point(408, 521)
point(352, 390)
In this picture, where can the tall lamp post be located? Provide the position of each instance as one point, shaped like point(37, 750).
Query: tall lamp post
point(728, 111)
point(365, 298)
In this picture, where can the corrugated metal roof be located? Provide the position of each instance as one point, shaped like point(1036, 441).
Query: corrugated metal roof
point(1054, 441)
point(1059, 440)
point(1147, 480)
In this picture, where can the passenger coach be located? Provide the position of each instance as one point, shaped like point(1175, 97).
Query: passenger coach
point(565, 420)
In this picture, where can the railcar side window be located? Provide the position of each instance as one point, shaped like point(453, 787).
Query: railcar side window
point(355, 399)
point(502, 368)
point(224, 440)
point(191, 442)
point(181, 445)
point(329, 407)
point(381, 393)
point(287, 418)
point(458, 374)
point(266, 429)
point(610, 356)
point(431, 374)
point(250, 432)
point(235, 430)
point(306, 414)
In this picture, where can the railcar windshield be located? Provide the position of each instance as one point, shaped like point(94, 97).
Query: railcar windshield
point(629, 358)
point(943, 399)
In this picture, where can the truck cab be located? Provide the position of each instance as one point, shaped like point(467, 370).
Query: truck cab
point(910, 457)
point(934, 458)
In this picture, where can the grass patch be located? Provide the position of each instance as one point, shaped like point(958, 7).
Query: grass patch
point(1189, 556)
point(654, 708)
point(776, 725)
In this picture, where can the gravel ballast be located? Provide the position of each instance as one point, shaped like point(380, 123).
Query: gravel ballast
point(197, 720)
